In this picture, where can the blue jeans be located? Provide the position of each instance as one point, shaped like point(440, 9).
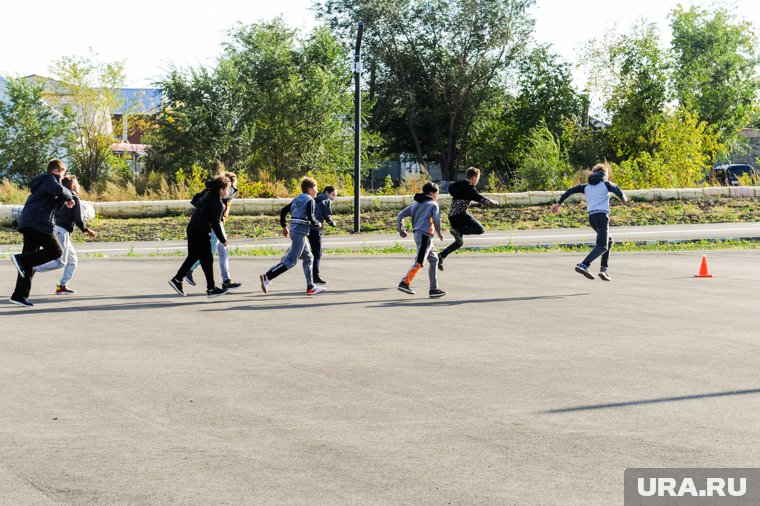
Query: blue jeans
point(600, 222)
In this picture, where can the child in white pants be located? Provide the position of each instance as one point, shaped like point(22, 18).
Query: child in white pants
point(65, 220)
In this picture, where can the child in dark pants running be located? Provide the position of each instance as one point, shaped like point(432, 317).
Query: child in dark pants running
point(426, 221)
point(224, 252)
point(323, 213)
point(597, 193)
point(463, 195)
point(207, 217)
point(302, 219)
point(36, 224)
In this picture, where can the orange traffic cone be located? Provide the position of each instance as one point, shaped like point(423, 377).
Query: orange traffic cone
point(703, 272)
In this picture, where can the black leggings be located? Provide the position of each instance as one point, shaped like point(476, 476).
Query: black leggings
point(198, 249)
point(39, 248)
point(465, 224)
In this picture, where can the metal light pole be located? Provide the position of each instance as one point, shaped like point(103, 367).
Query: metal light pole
point(357, 125)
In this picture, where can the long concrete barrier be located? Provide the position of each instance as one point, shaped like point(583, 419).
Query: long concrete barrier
point(158, 208)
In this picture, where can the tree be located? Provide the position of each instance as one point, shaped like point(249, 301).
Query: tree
point(274, 102)
point(433, 65)
point(31, 132)
point(630, 72)
point(545, 165)
point(201, 121)
point(715, 67)
point(682, 146)
point(88, 90)
point(299, 97)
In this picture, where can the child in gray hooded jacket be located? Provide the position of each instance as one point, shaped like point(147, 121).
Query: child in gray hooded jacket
point(426, 220)
point(597, 193)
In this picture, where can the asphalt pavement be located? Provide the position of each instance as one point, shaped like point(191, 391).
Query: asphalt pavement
point(527, 384)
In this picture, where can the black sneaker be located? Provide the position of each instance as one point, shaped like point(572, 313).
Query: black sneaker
point(406, 288)
point(583, 269)
point(177, 285)
point(216, 292)
point(437, 293)
point(318, 280)
point(17, 264)
point(229, 285)
point(440, 263)
point(20, 302)
point(604, 275)
point(189, 278)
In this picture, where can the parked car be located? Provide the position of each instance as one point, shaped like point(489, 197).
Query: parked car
point(728, 175)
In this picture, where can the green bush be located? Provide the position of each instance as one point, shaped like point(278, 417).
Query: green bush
point(545, 166)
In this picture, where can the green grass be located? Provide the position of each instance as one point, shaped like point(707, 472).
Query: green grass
point(501, 218)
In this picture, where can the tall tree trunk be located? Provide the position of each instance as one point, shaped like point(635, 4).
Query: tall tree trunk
point(416, 140)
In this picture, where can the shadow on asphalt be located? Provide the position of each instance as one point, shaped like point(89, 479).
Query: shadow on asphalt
point(652, 401)
point(53, 305)
point(405, 302)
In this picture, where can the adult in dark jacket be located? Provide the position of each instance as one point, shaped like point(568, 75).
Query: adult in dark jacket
point(463, 195)
point(208, 216)
point(36, 224)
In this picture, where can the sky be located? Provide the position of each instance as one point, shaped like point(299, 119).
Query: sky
point(153, 35)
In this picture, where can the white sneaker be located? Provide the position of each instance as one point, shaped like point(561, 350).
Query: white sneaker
point(264, 283)
point(315, 290)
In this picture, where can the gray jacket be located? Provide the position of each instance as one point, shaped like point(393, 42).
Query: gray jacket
point(597, 193)
point(425, 215)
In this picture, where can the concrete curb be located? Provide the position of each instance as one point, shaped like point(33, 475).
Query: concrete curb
point(158, 208)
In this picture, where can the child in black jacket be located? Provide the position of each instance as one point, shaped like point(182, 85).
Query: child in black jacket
point(464, 194)
point(208, 216)
point(36, 224)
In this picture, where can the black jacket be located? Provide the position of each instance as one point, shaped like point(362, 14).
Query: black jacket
point(68, 217)
point(208, 213)
point(323, 209)
point(463, 190)
point(48, 195)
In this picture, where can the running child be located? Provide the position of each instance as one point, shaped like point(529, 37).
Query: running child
point(221, 249)
point(426, 221)
point(323, 213)
point(36, 224)
point(597, 193)
point(464, 194)
point(65, 220)
point(206, 217)
point(301, 221)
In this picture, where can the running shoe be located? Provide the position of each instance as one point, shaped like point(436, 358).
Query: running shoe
point(406, 288)
point(20, 302)
point(216, 292)
point(229, 285)
point(264, 283)
point(583, 269)
point(315, 290)
point(177, 285)
point(63, 290)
